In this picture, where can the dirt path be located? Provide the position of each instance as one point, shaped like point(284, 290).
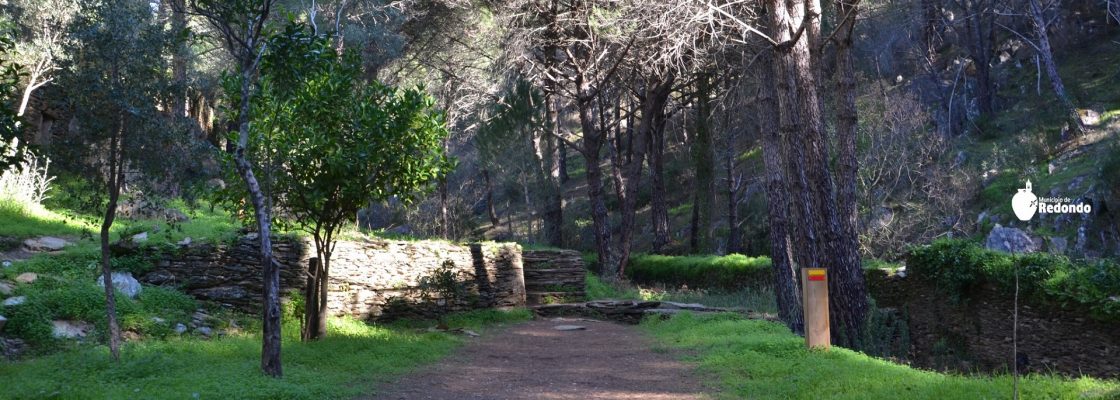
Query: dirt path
point(535, 361)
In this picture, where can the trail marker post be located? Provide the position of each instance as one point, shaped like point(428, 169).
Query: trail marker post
point(814, 290)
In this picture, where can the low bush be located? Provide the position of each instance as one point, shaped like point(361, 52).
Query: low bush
point(726, 272)
point(961, 267)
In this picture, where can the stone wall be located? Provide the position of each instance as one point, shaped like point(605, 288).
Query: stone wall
point(554, 275)
point(369, 279)
point(974, 334)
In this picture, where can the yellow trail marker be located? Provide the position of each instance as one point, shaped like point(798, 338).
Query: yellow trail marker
point(814, 290)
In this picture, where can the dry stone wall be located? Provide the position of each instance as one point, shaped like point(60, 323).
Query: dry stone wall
point(554, 274)
point(372, 278)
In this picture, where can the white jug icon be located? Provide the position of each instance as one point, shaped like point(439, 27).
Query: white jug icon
point(1025, 203)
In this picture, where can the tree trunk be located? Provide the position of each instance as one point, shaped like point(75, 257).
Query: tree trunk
point(270, 335)
point(179, 60)
point(1047, 56)
point(979, 20)
point(652, 106)
point(786, 289)
point(822, 243)
point(490, 211)
point(323, 278)
point(553, 215)
point(848, 281)
point(311, 301)
point(116, 176)
point(659, 209)
point(704, 185)
point(592, 144)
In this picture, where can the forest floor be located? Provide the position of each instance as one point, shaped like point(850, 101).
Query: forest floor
point(536, 360)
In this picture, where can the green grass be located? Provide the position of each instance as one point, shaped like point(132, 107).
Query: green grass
point(19, 222)
point(763, 360)
point(353, 359)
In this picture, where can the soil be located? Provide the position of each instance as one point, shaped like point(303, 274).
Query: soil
point(533, 360)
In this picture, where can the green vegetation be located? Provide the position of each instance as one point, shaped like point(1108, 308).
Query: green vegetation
point(763, 360)
point(727, 272)
point(350, 361)
point(760, 299)
point(960, 267)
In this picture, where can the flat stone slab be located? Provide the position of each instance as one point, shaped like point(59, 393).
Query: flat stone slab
point(45, 243)
point(70, 329)
point(570, 328)
point(15, 301)
point(27, 277)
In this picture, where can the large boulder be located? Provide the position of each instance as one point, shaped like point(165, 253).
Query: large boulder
point(45, 243)
point(1011, 240)
point(124, 282)
point(15, 301)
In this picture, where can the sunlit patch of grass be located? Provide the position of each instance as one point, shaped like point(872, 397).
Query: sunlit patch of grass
point(350, 361)
point(763, 360)
point(22, 221)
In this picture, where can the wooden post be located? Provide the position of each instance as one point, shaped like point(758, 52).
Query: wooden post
point(814, 289)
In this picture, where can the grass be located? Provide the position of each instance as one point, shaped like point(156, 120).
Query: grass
point(763, 360)
point(19, 222)
point(351, 361)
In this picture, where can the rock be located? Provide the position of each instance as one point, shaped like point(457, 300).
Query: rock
point(1058, 245)
point(180, 328)
point(1089, 117)
point(12, 348)
point(15, 301)
point(185, 242)
point(252, 236)
point(2, 322)
point(27, 277)
point(570, 327)
point(1010, 240)
point(124, 282)
point(140, 237)
point(980, 218)
point(6, 263)
point(6, 289)
point(158, 277)
point(70, 329)
point(204, 331)
point(900, 272)
point(45, 243)
point(158, 320)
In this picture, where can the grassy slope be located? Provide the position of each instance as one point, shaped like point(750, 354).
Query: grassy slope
point(763, 360)
point(349, 362)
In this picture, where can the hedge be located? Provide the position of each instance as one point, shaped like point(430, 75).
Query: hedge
point(960, 267)
point(728, 272)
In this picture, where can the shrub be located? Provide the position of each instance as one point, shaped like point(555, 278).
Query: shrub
point(24, 185)
point(959, 268)
point(728, 272)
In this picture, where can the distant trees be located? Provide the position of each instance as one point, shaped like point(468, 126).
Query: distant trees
point(337, 143)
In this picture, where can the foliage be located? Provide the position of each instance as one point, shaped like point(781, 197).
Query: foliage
point(760, 299)
point(728, 272)
point(349, 362)
point(330, 142)
point(24, 185)
point(763, 360)
point(961, 267)
point(10, 73)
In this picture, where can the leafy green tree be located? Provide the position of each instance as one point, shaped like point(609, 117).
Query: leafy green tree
point(117, 59)
point(335, 143)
